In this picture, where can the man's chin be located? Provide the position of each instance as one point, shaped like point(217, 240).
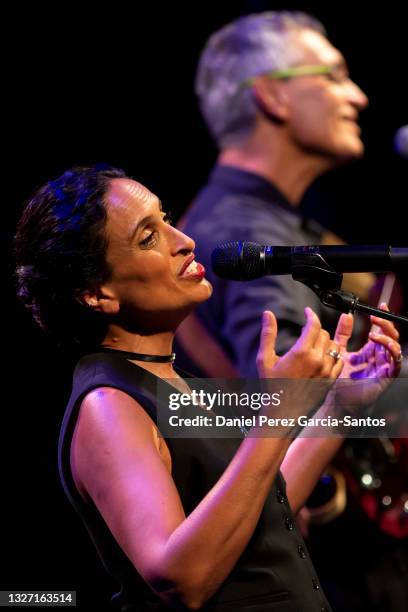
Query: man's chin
point(349, 153)
point(354, 149)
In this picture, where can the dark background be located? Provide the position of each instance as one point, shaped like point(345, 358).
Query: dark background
point(116, 84)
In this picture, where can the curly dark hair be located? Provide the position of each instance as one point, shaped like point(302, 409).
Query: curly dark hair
point(60, 248)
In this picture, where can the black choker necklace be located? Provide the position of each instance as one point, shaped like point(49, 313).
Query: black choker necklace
point(141, 356)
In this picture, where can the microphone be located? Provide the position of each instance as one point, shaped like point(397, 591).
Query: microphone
point(248, 260)
point(401, 141)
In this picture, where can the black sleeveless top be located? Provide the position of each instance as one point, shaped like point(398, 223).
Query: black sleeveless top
point(274, 572)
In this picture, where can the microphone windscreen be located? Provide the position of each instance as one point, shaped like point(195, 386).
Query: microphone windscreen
point(238, 260)
point(401, 141)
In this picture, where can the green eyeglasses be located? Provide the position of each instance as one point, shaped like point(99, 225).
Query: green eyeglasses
point(336, 72)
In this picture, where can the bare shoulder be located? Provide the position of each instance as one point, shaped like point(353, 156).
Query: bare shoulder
point(118, 464)
point(109, 407)
point(112, 429)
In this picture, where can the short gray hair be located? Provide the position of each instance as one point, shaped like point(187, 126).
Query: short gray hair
point(247, 47)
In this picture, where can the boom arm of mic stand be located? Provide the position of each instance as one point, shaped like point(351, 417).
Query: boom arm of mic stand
point(313, 271)
point(349, 302)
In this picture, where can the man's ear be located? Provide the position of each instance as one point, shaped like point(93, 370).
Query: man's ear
point(270, 98)
point(101, 300)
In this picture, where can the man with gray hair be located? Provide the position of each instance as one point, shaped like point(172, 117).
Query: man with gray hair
point(280, 105)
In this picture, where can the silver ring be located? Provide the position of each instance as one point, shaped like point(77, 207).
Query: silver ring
point(335, 354)
point(399, 358)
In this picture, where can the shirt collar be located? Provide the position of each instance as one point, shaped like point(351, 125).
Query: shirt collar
point(241, 181)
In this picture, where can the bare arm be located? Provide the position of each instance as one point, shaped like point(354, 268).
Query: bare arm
point(304, 463)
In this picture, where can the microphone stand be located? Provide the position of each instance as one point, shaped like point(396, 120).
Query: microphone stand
point(312, 270)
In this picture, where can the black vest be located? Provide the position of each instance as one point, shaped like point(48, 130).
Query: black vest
point(274, 572)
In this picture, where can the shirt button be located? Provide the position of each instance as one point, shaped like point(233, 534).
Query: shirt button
point(289, 524)
point(302, 552)
point(315, 584)
point(280, 496)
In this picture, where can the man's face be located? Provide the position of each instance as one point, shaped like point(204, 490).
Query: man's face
point(150, 280)
point(324, 109)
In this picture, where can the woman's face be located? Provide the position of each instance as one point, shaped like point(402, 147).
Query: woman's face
point(154, 278)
